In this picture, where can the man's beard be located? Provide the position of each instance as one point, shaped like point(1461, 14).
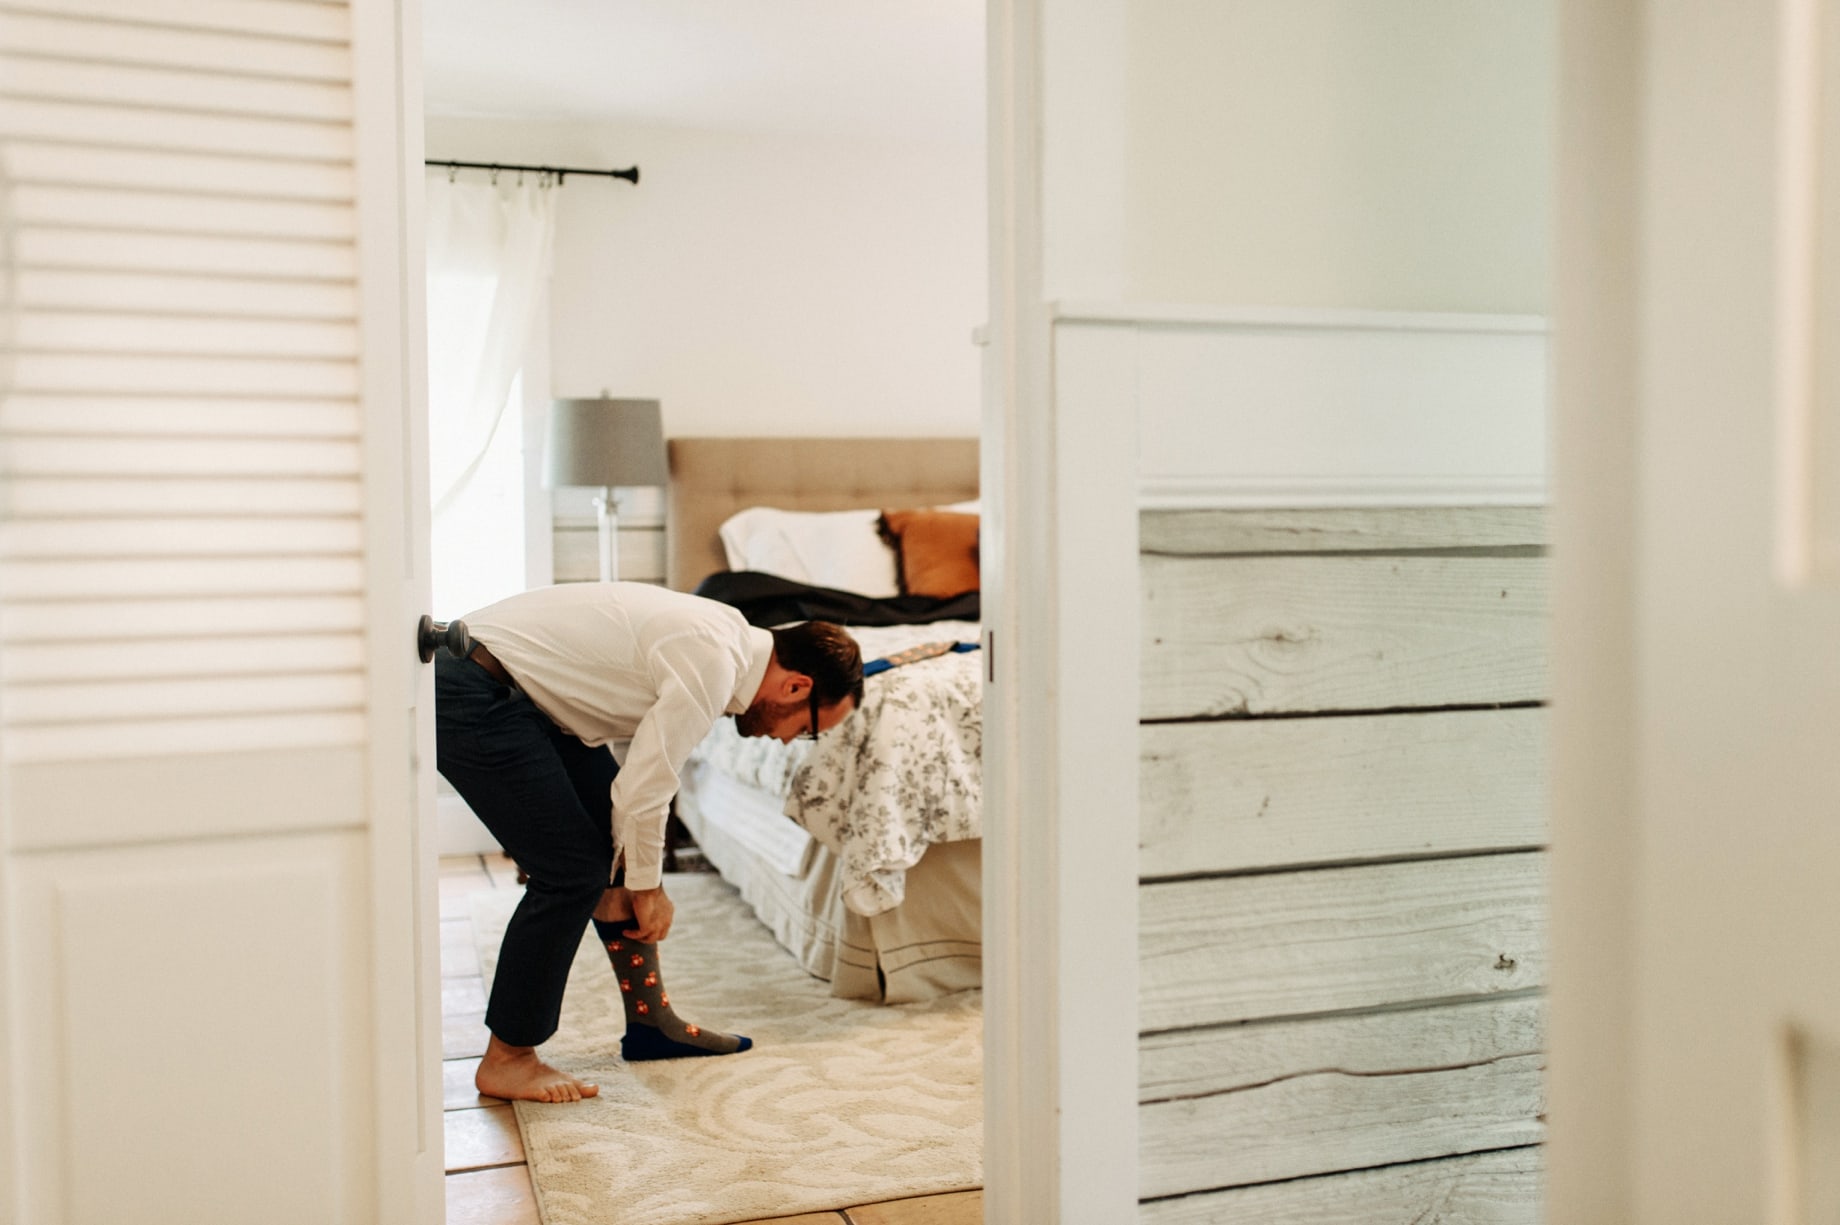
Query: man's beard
point(760, 718)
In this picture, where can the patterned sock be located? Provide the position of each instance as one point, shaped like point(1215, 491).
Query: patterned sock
point(653, 1031)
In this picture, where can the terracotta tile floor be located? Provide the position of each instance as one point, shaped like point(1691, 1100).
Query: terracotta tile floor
point(487, 1180)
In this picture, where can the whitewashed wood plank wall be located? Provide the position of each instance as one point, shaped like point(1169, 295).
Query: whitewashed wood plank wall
point(1342, 899)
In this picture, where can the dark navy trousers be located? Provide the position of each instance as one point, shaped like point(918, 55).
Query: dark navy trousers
point(544, 795)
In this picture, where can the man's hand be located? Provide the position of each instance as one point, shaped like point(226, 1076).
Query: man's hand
point(652, 912)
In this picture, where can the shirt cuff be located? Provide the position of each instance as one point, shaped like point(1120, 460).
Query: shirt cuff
point(645, 864)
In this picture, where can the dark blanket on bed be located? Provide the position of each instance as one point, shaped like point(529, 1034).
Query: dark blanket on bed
point(768, 600)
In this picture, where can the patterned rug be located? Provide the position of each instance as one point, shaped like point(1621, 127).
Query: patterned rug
point(839, 1103)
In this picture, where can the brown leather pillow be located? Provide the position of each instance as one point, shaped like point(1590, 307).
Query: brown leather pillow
point(938, 550)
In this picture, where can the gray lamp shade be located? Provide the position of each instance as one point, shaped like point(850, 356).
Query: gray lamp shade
point(606, 443)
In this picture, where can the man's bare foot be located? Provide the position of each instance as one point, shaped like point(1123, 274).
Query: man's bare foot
point(515, 1072)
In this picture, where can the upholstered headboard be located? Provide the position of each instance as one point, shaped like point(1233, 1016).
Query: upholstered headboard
point(712, 478)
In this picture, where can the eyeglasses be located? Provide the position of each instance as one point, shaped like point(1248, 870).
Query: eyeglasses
point(811, 730)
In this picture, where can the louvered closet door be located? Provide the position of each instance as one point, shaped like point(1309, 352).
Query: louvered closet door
point(216, 1001)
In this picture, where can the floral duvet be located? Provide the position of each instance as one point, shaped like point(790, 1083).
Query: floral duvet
point(900, 774)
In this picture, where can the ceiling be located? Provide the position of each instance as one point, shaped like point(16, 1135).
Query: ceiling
point(895, 69)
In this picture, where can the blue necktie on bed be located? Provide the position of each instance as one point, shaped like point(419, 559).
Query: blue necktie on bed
point(926, 650)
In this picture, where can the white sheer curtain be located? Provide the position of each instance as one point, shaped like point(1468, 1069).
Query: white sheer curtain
point(489, 250)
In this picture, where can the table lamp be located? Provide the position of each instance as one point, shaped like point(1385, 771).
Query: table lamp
point(606, 444)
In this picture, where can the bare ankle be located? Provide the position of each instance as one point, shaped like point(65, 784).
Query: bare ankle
point(498, 1051)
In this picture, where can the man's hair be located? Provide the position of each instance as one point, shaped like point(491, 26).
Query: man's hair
point(827, 654)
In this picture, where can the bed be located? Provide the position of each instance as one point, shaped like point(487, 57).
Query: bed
point(861, 852)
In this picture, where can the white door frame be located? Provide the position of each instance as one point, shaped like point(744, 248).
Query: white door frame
point(405, 913)
point(1060, 592)
point(1593, 789)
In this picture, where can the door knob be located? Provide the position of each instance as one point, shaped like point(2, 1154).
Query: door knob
point(430, 634)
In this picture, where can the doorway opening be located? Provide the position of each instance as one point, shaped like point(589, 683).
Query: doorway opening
point(803, 257)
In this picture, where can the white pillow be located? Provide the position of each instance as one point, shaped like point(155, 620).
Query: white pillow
point(841, 548)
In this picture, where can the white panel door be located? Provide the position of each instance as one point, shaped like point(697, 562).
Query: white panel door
point(1697, 706)
point(218, 977)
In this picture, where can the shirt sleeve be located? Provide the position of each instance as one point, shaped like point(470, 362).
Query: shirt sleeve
point(695, 679)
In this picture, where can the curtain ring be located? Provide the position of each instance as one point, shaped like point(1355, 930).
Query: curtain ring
point(495, 176)
point(453, 173)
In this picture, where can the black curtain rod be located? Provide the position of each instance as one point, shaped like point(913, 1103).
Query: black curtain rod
point(630, 174)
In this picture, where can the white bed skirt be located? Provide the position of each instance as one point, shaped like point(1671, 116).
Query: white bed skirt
point(929, 945)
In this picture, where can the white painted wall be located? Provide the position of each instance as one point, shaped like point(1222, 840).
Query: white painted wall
point(1333, 240)
point(759, 283)
point(1340, 154)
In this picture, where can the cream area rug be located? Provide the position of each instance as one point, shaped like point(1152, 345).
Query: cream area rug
point(840, 1102)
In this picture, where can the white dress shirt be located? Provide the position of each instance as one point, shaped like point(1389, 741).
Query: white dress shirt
point(641, 669)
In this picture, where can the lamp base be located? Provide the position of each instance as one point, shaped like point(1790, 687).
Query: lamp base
point(607, 520)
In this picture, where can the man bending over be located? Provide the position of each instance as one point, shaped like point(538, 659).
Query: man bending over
point(523, 730)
